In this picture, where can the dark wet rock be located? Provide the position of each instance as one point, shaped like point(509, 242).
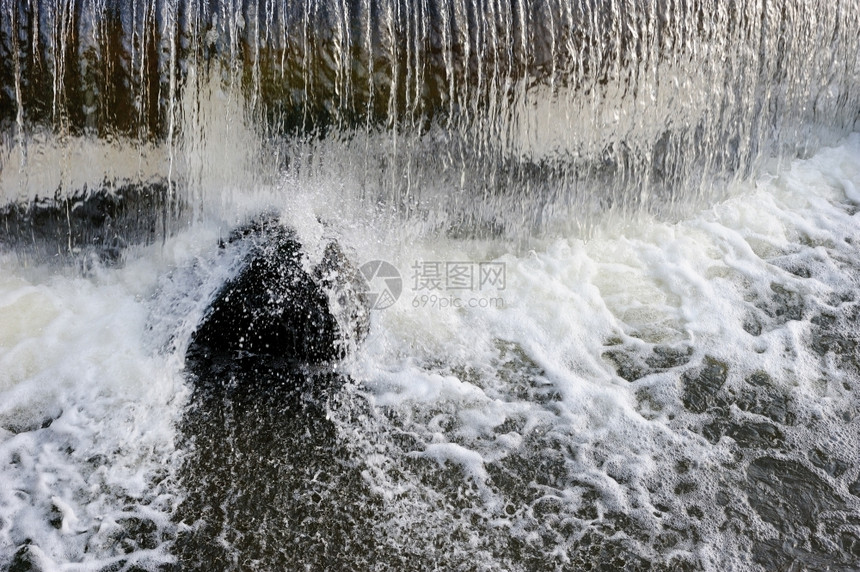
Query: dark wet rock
point(261, 446)
point(274, 317)
point(825, 321)
point(702, 384)
point(99, 222)
point(822, 343)
point(787, 494)
point(346, 290)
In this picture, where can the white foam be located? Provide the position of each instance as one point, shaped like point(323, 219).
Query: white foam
point(652, 282)
point(76, 360)
point(474, 386)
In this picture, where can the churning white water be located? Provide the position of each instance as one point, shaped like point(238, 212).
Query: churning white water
point(472, 427)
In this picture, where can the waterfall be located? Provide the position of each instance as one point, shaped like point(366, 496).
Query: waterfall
point(429, 284)
point(477, 113)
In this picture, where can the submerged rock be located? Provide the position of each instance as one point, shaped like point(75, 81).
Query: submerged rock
point(261, 445)
point(275, 318)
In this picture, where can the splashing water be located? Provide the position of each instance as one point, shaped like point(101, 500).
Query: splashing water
point(666, 379)
point(476, 117)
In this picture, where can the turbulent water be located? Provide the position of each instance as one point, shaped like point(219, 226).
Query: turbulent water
point(625, 332)
point(467, 116)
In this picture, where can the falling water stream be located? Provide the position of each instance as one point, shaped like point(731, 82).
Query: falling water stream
point(662, 375)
